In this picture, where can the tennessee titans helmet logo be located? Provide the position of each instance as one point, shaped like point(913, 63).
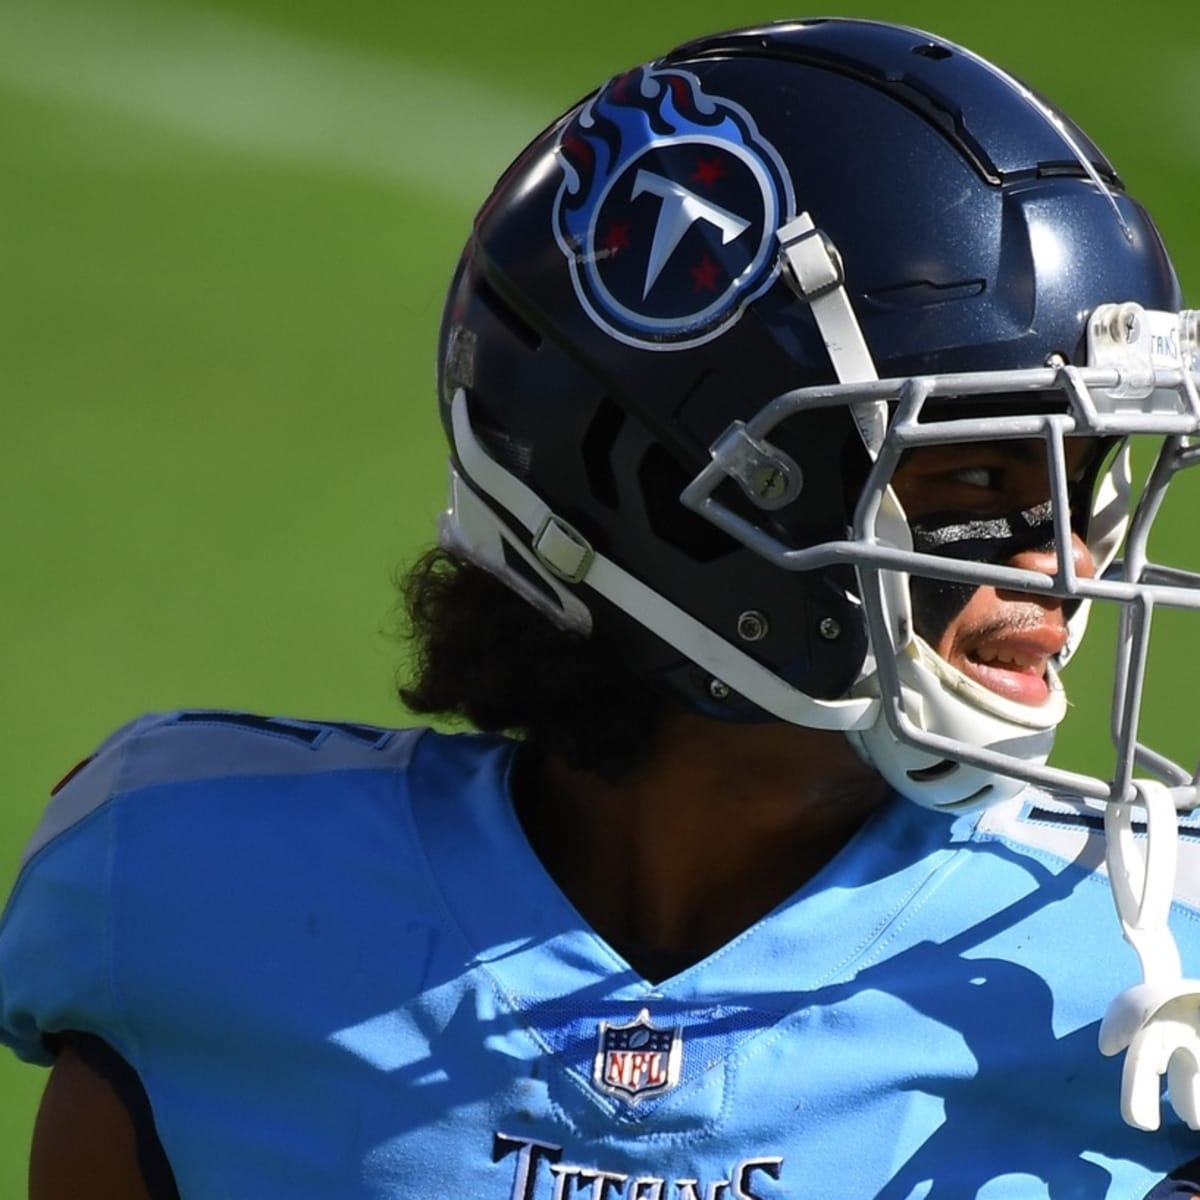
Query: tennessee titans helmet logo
point(667, 209)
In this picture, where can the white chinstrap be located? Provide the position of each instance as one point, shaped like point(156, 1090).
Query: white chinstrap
point(1156, 1022)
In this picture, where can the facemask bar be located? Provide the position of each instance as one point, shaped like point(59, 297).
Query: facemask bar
point(1126, 583)
point(1176, 454)
point(1099, 403)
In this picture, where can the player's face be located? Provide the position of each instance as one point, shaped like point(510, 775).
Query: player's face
point(1001, 639)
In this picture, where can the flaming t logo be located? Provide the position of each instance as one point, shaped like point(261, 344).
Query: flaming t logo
point(667, 210)
point(680, 210)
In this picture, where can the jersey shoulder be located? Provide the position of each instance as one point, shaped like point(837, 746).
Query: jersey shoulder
point(1058, 826)
point(164, 750)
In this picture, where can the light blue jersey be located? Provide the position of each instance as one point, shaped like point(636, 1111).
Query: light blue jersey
point(341, 972)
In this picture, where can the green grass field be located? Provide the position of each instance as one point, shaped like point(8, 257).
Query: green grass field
point(227, 231)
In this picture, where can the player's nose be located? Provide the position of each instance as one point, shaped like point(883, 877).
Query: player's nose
point(1046, 559)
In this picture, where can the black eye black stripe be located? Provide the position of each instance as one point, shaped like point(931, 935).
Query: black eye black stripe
point(986, 529)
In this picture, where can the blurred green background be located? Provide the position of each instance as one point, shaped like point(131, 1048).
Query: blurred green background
point(227, 228)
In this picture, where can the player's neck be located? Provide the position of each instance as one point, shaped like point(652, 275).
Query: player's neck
point(720, 827)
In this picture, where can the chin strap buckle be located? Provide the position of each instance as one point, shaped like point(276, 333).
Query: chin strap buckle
point(1156, 1022)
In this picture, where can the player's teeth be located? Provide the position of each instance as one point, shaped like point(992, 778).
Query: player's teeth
point(1007, 658)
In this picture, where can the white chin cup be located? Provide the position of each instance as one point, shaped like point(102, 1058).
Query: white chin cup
point(939, 700)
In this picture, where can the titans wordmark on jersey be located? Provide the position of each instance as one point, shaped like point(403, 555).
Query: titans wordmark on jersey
point(539, 1169)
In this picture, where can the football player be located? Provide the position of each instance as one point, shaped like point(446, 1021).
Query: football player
point(789, 382)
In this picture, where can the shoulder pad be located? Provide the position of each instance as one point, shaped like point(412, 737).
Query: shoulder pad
point(196, 744)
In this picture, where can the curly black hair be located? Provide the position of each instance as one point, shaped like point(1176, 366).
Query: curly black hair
point(483, 655)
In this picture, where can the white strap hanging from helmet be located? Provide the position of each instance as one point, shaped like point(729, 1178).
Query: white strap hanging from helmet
point(815, 271)
point(1154, 1022)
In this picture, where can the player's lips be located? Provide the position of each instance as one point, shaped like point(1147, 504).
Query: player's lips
point(1014, 665)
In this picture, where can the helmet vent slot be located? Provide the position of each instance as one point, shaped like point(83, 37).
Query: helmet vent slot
point(933, 50)
point(597, 449)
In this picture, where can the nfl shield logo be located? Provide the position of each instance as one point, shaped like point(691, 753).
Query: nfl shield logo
point(637, 1060)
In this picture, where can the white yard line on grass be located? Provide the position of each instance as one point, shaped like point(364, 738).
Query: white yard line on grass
point(256, 90)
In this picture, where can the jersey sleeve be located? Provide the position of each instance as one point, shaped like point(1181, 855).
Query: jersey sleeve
point(56, 930)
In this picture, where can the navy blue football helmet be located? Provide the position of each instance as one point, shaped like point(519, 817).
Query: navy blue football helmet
point(703, 319)
point(704, 315)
